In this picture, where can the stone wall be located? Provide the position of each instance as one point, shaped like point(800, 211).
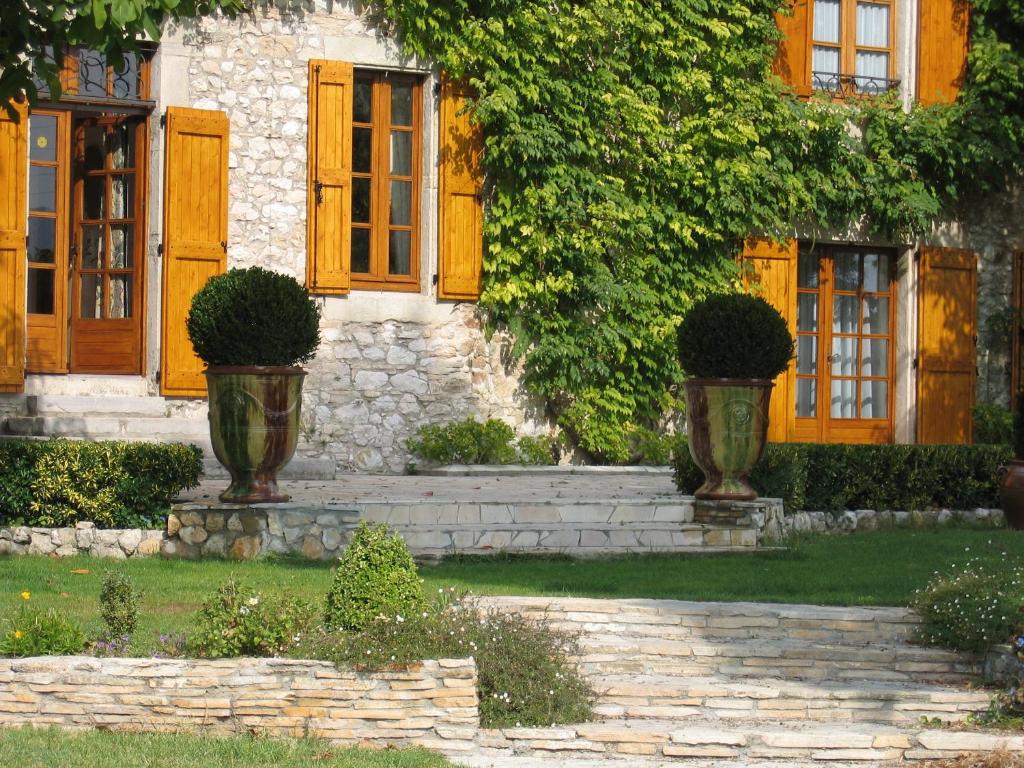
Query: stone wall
point(83, 539)
point(868, 520)
point(431, 703)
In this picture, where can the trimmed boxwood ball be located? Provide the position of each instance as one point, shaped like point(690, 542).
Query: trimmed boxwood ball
point(734, 336)
point(254, 317)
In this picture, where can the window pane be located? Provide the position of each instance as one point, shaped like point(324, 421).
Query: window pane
point(847, 271)
point(807, 270)
point(362, 108)
point(806, 397)
point(401, 153)
point(398, 253)
point(121, 242)
point(93, 197)
point(120, 297)
point(874, 402)
point(92, 246)
point(807, 312)
point(92, 73)
point(42, 235)
point(825, 60)
point(92, 297)
point(360, 250)
point(126, 78)
point(122, 189)
point(94, 151)
point(844, 314)
point(401, 202)
point(844, 356)
point(873, 25)
point(826, 21)
point(876, 272)
point(122, 146)
point(844, 399)
point(807, 354)
point(361, 201)
point(42, 188)
point(43, 130)
point(876, 314)
point(40, 291)
point(362, 149)
point(401, 104)
point(872, 71)
point(875, 361)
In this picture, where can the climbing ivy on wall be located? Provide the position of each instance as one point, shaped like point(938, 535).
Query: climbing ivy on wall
point(631, 145)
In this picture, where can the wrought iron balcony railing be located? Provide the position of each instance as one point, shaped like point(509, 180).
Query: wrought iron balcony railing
point(842, 86)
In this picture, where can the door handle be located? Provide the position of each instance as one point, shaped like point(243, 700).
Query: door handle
point(318, 187)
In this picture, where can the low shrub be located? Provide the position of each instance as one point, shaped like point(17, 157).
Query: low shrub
point(972, 606)
point(56, 483)
point(473, 442)
point(33, 632)
point(376, 576)
point(993, 424)
point(833, 478)
point(238, 621)
point(537, 450)
point(119, 606)
point(524, 673)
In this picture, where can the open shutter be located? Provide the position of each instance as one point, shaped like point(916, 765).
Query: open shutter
point(461, 214)
point(13, 218)
point(195, 234)
point(942, 49)
point(772, 269)
point(329, 226)
point(792, 62)
point(946, 345)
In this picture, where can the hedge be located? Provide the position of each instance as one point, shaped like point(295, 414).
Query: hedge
point(57, 483)
point(832, 478)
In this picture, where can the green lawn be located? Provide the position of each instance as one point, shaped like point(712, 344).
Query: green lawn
point(50, 748)
point(881, 568)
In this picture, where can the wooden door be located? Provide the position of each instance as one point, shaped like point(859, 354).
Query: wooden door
point(13, 177)
point(107, 252)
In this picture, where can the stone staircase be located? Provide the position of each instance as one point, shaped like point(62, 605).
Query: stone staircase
point(739, 683)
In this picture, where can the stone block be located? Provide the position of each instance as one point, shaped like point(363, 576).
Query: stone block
point(191, 534)
point(245, 548)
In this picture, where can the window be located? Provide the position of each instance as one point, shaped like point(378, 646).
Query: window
point(851, 46)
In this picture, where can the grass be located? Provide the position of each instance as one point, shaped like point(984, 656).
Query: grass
point(882, 568)
point(52, 748)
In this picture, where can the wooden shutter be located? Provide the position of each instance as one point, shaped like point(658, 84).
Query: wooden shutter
point(329, 219)
point(771, 269)
point(13, 225)
point(942, 49)
point(195, 234)
point(461, 215)
point(792, 63)
point(946, 357)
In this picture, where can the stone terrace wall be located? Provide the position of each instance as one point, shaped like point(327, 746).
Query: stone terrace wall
point(431, 703)
point(83, 539)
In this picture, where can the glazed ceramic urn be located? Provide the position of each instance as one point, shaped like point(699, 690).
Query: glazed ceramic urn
point(727, 428)
point(1011, 494)
point(254, 427)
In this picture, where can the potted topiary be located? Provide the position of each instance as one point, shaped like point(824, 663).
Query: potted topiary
point(733, 346)
point(252, 328)
point(1011, 489)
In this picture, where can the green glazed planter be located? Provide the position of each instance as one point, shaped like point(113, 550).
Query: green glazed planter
point(254, 426)
point(727, 428)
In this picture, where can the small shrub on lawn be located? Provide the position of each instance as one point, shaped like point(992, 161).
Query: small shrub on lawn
point(524, 674)
point(972, 606)
point(119, 606)
point(40, 633)
point(238, 621)
point(473, 442)
point(376, 576)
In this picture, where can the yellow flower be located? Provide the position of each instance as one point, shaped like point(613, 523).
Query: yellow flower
point(26, 595)
point(18, 634)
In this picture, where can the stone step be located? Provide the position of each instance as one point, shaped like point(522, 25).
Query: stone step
point(682, 698)
point(85, 406)
point(111, 427)
point(739, 742)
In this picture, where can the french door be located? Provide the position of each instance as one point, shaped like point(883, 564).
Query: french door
point(845, 355)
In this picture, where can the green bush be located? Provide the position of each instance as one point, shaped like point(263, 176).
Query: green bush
point(993, 424)
point(525, 676)
point(833, 478)
point(238, 621)
point(473, 442)
point(974, 605)
point(376, 577)
point(254, 317)
point(54, 483)
point(119, 606)
point(536, 450)
point(734, 336)
point(40, 633)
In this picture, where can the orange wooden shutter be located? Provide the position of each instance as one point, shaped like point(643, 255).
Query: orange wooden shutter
point(772, 268)
point(946, 345)
point(792, 63)
point(461, 216)
point(942, 49)
point(195, 234)
point(329, 206)
point(13, 225)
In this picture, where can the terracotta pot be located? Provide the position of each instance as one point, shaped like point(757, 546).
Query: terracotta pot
point(1011, 495)
point(727, 428)
point(254, 426)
